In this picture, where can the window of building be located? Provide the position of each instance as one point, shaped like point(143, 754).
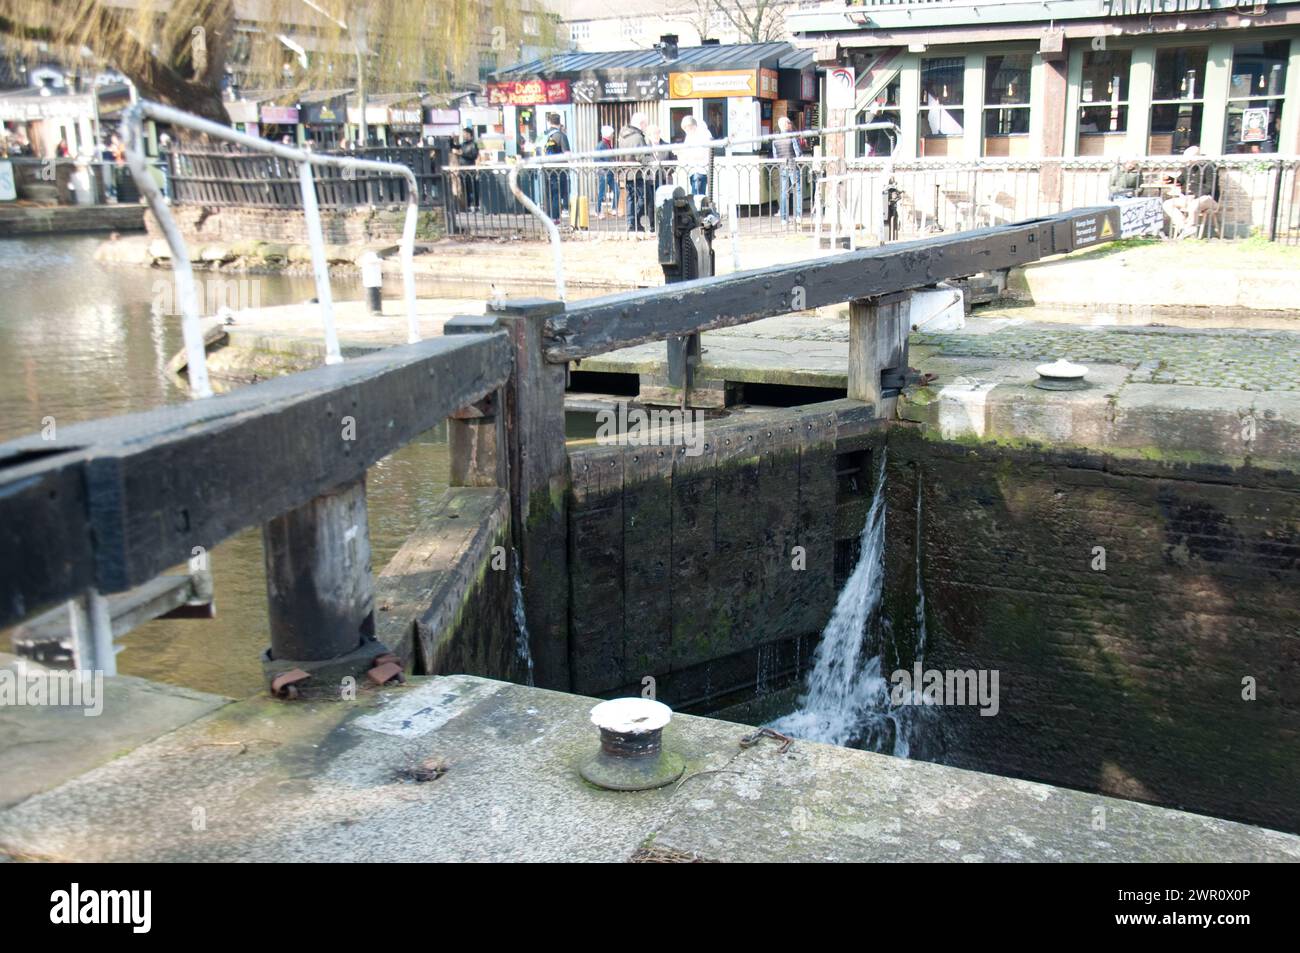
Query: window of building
point(631, 28)
point(1103, 102)
point(580, 31)
point(1177, 100)
point(531, 26)
point(1255, 96)
point(1006, 104)
point(884, 108)
point(943, 92)
point(715, 117)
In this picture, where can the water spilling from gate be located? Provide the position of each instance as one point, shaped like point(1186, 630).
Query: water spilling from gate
point(847, 698)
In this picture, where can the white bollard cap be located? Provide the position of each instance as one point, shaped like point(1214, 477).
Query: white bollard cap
point(631, 716)
point(1061, 369)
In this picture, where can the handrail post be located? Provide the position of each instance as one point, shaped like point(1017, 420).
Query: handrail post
point(538, 465)
point(319, 266)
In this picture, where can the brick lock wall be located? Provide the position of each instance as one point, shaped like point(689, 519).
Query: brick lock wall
point(287, 226)
point(1126, 680)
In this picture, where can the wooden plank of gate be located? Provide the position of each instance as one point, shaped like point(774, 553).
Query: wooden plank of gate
point(596, 545)
point(697, 633)
point(647, 560)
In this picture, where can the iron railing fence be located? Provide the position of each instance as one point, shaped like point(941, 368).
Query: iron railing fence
point(615, 199)
point(221, 177)
point(847, 201)
point(1256, 196)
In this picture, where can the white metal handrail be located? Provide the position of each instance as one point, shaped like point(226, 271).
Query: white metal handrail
point(186, 296)
point(553, 230)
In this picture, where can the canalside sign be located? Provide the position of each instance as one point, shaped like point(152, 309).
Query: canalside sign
point(529, 92)
point(1143, 8)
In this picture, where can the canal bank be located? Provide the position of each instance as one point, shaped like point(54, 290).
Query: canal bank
point(1134, 279)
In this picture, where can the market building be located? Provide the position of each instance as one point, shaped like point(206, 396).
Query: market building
point(974, 78)
point(738, 90)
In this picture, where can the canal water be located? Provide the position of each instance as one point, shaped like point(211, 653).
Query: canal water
point(79, 340)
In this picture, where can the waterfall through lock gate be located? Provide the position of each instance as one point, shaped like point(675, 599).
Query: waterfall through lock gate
point(847, 698)
point(523, 650)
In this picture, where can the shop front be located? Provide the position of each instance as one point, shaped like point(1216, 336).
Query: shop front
point(524, 105)
point(279, 123)
point(324, 119)
point(737, 88)
point(1073, 78)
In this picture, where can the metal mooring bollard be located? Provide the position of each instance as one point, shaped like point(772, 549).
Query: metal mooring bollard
point(1061, 375)
point(631, 756)
point(372, 277)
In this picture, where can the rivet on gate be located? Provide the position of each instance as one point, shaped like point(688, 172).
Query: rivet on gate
point(631, 755)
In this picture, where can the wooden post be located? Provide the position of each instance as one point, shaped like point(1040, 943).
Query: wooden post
point(476, 434)
point(318, 583)
point(864, 370)
point(878, 329)
point(1052, 146)
point(538, 465)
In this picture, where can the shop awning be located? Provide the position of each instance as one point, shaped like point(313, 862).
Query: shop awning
point(637, 75)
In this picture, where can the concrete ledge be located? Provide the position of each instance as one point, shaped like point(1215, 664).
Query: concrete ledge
point(268, 781)
point(993, 400)
point(42, 747)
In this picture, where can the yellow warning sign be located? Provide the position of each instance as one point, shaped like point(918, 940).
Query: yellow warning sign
point(1106, 230)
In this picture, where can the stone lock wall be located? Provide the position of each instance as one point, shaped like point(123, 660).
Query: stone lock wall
point(1126, 679)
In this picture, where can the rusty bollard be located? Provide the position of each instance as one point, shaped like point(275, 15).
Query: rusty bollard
point(632, 756)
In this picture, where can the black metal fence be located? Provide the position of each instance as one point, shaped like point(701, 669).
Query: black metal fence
point(221, 178)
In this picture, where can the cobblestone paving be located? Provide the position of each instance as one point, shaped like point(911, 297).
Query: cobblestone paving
point(1246, 360)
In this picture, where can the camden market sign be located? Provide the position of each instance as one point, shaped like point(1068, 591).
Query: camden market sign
point(602, 87)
